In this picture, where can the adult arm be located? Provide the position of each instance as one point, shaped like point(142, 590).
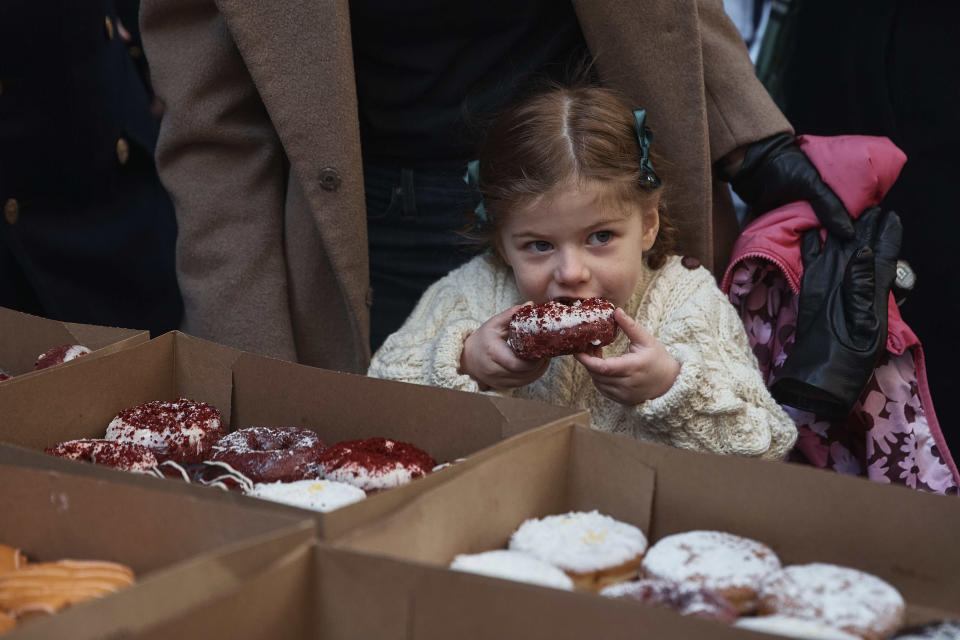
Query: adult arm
point(219, 156)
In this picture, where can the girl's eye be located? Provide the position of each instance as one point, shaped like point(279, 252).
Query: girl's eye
point(540, 246)
point(600, 237)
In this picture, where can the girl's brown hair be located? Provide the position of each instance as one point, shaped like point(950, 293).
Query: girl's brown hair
point(561, 134)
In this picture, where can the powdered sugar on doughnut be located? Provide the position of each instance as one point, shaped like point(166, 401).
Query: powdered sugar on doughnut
point(181, 430)
point(513, 565)
point(552, 315)
point(317, 495)
point(687, 598)
point(793, 628)
point(579, 541)
point(938, 630)
point(839, 597)
point(59, 355)
point(715, 559)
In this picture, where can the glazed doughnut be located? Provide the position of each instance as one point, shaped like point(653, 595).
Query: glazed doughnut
point(555, 329)
point(59, 355)
point(793, 628)
point(374, 464)
point(109, 453)
point(316, 495)
point(687, 598)
point(11, 559)
point(47, 587)
point(181, 430)
point(839, 597)
point(270, 454)
point(936, 630)
point(513, 565)
point(593, 549)
point(730, 565)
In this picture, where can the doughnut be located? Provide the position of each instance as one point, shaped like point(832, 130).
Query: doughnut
point(6, 622)
point(270, 454)
point(181, 430)
point(728, 564)
point(109, 453)
point(936, 630)
point(839, 597)
point(4, 375)
point(513, 565)
point(11, 559)
point(47, 587)
point(793, 628)
point(555, 329)
point(374, 464)
point(316, 495)
point(687, 598)
point(593, 549)
point(59, 355)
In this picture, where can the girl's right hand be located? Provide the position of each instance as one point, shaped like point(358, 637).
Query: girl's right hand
point(488, 359)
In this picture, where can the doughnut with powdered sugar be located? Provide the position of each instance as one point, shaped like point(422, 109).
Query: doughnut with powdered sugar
point(731, 565)
point(593, 549)
point(180, 430)
point(555, 329)
point(839, 597)
point(374, 464)
point(59, 355)
point(513, 565)
point(686, 598)
point(271, 454)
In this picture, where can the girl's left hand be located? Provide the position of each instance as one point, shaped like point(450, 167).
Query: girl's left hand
point(646, 371)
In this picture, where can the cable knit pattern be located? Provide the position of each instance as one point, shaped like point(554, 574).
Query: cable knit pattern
point(718, 403)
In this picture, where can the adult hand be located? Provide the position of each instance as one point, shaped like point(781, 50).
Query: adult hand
point(842, 319)
point(776, 172)
point(488, 359)
point(646, 371)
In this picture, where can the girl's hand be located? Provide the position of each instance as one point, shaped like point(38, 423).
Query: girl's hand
point(645, 371)
point(488, 359)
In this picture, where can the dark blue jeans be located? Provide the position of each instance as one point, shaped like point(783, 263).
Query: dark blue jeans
point(414, 217)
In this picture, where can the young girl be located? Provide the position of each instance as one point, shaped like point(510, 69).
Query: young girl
point(573, 210)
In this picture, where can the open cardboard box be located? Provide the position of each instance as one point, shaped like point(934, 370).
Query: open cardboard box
point(184, 551)
point(24, 337)
point(250, 390)
point(806, 515)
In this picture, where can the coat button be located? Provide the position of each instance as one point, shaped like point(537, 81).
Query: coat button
point(123, 151)
point(329, 179)
point(108, 25)
point(690, 262)
point(11, 211)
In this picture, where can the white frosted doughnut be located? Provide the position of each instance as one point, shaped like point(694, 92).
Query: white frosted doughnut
point(793, 628)
point(513, 565)
point(317, 495)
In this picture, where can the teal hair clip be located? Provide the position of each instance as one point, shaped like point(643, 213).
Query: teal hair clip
point(472, 178)
point(645, 137)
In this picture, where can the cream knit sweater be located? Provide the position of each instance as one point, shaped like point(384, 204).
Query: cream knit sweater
point(718, 403)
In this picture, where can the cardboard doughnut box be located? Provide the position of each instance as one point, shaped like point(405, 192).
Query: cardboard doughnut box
point(249, 390)
point(24, 337)
point(388, 579)
point(185, 552)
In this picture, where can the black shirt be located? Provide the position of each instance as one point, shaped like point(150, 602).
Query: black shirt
point(430, 73)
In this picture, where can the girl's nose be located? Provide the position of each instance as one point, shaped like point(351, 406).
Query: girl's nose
point(571, 268)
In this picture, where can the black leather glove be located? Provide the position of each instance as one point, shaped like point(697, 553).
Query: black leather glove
point(776, 172)
point(842, 317)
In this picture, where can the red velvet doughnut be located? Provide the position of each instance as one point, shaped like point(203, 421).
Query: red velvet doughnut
point(271, 454)
point(181, 430)
point(59, 355)
point(555, 329)
point(375, 463)
point(119, 455)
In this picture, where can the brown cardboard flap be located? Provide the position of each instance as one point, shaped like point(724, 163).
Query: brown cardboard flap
point(23, 337)
point(203, 371)
point(538, 473)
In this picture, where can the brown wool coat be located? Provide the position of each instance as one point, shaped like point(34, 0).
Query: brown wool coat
point(260, 148)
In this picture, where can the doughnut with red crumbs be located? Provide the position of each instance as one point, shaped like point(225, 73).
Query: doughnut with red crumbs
point(271, 454)
point(374, 464)
point(554, 329)
point(181, 430)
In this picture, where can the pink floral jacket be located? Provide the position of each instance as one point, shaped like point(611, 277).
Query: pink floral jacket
point(892, 434)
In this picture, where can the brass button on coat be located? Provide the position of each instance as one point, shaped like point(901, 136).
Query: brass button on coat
point(11, 211)
point(108, 24)
point(329, 179)
point(123, 151)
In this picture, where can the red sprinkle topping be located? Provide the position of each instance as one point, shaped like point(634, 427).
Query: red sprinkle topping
point(169, 421)
point(120, 455)
point(56, 356)
point(377, 455)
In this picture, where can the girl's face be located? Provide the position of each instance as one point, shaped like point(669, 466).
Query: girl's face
point(564, 247)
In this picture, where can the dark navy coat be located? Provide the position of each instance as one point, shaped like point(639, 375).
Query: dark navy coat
point(87, 233)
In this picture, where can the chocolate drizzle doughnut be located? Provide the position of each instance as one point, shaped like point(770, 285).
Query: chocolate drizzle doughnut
point(181, 430)
point(271, 454)
point(555, 329)
point(125, 456)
